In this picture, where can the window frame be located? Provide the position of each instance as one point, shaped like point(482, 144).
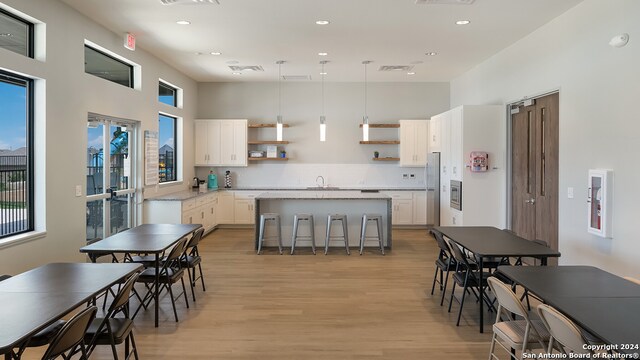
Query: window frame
point(131, 66)
point(9, 77)
point(169, 86)
point(30, 35)
point(176, 175)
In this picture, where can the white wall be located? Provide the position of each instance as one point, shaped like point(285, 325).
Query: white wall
point(70, 95)
point(599, 125)
point(344, 108)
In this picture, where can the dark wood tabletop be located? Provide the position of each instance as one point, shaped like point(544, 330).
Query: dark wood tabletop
point(35, 299)
point(149, 238)
point(167, 229)
point(604, 304)
point(491, 241)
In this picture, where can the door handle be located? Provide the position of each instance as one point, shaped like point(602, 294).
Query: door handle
point(530, 201)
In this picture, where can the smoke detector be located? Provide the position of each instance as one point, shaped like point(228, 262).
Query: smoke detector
point(445, 2)
point(190, 2)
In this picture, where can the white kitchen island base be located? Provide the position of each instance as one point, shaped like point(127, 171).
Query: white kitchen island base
point(320, 204)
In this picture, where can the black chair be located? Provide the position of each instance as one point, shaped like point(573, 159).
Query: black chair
point(469, 278)
point(113, 330)
point(43, 337)
point(70, 339)
point(170, 272)
point(191, 259)
point(445, 263)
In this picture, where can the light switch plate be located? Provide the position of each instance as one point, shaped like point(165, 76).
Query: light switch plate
point(570, 192)
point(78, 190)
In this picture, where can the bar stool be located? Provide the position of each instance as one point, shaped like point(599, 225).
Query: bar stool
point(296, 219)
point(345, 232)
point(363, 230)
point(263, 223)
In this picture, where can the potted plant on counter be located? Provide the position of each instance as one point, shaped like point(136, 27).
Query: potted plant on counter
point(283, 154)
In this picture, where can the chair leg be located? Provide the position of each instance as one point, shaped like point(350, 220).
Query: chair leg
point(261, 233)
point(173, 303)
point(294, 234)
point(464, 292)
point(444, 287)
point(133, 346)
point(326, 240)
point(184, 292)
point(380, 236)
point(313, 236)
point(363, 231)
point(201, 277)
point(493, 346)
point(279, 230)
point(345, 232)
point(193, 294)
point(453, 289)
point(435, 276)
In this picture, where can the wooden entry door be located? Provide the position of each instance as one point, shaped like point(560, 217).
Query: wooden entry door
point(534, 174)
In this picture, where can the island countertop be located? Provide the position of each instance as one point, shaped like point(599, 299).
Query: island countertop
point(322, 195)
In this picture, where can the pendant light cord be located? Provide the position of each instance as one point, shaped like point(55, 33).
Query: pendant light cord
point(365, 89)
point(323, 89)
point(279, 88)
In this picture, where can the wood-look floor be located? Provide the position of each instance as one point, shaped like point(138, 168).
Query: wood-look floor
point(311, 307)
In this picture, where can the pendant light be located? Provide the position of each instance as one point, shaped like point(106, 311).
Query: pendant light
point(323, 125)
point(279, 117)
point(365, 119)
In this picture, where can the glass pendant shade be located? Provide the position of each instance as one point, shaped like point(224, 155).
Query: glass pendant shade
point(323, 129)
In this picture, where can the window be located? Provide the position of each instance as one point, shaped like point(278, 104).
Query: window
point(167, 94)
point(167, 164)
point(107, 67)
point(16, 34)
point(16, 155)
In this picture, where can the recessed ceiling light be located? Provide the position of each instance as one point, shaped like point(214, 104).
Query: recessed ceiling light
point(215, 53)
point(463, 22)
point(431, 53)
point(411, 73)
point(323, 54)
point(323, 22)
point(198, 53)
point(233, 62)
point(183, 22)
point(323, 73)
point(237, 73)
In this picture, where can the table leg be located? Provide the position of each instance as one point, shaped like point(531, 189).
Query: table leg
point(543, 261)
point(157, 284)
point(481, 295)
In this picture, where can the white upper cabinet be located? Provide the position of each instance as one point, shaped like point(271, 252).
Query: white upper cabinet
point(221, 142)
point(414, 142)
point(434, 133)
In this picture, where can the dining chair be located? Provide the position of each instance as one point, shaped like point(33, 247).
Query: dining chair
point(170, 273)
point(468, 277)
point(514, 334)
point(112, 329)
point(445, 263)
point(70, 339)
point(191, 259)
point(563, 331)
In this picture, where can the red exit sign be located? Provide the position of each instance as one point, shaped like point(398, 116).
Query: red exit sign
point(130, 41)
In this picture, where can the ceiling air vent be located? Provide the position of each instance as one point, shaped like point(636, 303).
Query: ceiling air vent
point(243, 68)
point(190, 2)
point(445, 2)
point(296, 77)
point(395, 68)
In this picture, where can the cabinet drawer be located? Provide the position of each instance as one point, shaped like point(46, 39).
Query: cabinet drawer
point(247, 195)
point(400, 195)
point(204, 199)
point(188, 204)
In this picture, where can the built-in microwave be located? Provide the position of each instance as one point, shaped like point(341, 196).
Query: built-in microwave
point(456, 194)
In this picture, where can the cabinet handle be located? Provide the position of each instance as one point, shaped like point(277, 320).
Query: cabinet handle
point(434, 138)
point(444, 169)
point(455, 170)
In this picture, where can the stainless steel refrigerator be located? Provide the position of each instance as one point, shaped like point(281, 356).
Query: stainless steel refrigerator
point(432, 179)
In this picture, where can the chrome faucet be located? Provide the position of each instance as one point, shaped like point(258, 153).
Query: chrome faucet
point(320, 177)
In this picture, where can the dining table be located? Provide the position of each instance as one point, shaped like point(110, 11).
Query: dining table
point(490, 242)
point(600, 302)
point(152, 239)
point(35, 299)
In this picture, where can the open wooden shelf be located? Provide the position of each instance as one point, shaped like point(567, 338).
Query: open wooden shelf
point(386, 159)
point(266, 158)
point(381, 142)
point(251, 126)
point(383, 126)
point(267, 142)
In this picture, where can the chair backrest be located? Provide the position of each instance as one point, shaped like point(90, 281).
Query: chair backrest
point(195, 239)
point(457, 253)
point(562, 329)
point(507, 299)
point(632, 279)
point(71, 334)
point(177, 250)
point(122, 297)
point(445, 252)
point(4, 277)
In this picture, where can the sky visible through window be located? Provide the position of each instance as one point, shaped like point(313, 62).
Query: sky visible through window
point(166, 131)
point(13, 114)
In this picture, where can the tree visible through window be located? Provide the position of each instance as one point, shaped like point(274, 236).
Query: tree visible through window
point(167, 163)
point(16, 160)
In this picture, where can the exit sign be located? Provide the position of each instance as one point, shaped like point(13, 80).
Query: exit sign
point(130, 41)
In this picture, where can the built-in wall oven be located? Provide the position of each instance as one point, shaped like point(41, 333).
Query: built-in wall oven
point(456, 194)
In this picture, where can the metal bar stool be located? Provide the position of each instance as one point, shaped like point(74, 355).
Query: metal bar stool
point(263, 222)
point(345, 232)
point(296, 219)
point(363, 231)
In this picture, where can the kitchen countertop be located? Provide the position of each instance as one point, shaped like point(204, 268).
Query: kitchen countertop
point(322, 195)
point(191, 194)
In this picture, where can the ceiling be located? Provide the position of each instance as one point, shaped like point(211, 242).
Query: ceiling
point(386, 32)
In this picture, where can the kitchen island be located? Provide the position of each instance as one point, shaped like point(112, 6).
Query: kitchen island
point(320, 204)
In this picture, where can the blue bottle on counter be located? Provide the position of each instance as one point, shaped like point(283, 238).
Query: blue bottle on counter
point(212, 182)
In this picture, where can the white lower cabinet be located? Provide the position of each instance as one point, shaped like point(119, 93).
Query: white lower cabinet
point(225, 207)
point(199, 210)
point(408, 207)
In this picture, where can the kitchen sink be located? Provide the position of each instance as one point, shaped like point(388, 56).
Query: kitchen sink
point(323, 188)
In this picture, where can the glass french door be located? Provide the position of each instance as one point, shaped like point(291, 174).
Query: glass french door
point(111, 185)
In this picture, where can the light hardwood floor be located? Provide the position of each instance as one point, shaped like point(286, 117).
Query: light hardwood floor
point(312, 307)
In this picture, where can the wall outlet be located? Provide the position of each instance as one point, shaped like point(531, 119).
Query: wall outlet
point(78, 190)
point(412, 176)
point(405, 176)
point(570, 193)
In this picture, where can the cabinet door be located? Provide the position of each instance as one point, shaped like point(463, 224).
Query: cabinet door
point(402, 212)
point(214, 212)
point(434, 133)
point(201, 150)
point(190, 216)
point(445, 147)
point(407, 143)
point(456, 144)
point(213, 142)
point(420, 208)
point(225, 210)
point(240, 143)
point(242, 211)
point(421, 142)
point(226, 143)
